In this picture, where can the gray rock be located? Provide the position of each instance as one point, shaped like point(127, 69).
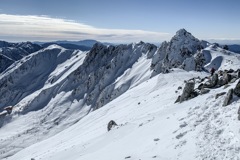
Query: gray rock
point(204, 91)
point(214, 80)
point(237, 89)
point(228, 98)
point(187, 91)
point(239, 117)
point(111, 124)
point(239, 110)
point(219, 94)
point(226, 78)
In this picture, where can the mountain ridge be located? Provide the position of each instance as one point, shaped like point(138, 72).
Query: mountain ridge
point(68, 85)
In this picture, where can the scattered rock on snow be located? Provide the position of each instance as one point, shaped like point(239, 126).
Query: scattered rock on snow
point(181, 135)
point(228, 98)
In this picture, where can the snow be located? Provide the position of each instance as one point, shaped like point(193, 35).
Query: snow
point(220, 59)
point(150, 125)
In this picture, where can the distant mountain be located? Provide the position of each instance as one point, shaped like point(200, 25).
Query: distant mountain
point(67, 46)
point(234, 48)
point(84, 44)
point(12, 52)
point(88, 43)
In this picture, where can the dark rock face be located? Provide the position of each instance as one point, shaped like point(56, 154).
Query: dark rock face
point(187, 91)
point(237, 89)
point(228, 98)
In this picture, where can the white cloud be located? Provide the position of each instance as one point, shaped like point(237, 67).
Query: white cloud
point(44, 28)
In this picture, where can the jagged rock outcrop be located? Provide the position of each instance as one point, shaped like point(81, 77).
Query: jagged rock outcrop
point(102, 66)
point(182, 51)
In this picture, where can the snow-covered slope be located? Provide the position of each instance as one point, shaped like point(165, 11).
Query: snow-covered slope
point(220, 59)
point(151, 126)
point(65, 86)
point(63, 100)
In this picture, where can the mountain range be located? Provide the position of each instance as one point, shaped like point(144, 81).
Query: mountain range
point(63, 99)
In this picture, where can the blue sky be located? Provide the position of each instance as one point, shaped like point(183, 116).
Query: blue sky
point(118, 21)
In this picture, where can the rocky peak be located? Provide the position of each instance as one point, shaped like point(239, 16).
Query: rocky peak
point(178, 53)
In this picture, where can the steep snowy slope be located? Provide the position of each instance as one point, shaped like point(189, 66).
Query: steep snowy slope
point(151, 126)
point(65, 86)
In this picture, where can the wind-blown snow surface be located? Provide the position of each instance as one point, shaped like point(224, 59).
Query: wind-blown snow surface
point(150, 126)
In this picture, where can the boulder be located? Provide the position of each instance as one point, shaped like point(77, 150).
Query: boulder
point(228, 98)
point(187, 91)
point(111, 124)
point(237, 89)
point(214, 80)
point(226, 78)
